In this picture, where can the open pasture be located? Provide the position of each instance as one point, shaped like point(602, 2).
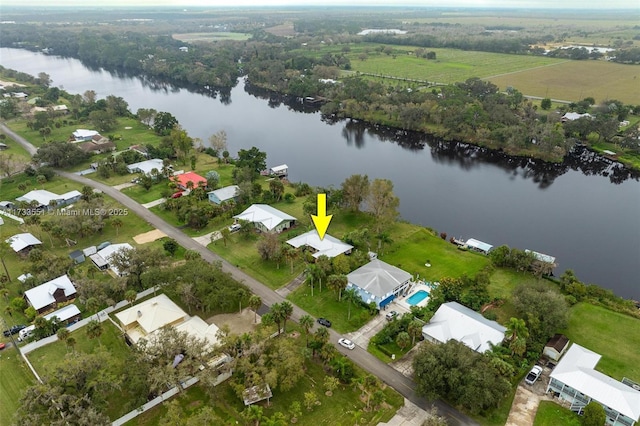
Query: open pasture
point(576, 80)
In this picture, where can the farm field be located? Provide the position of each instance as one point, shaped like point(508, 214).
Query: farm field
point(576, 80)
point(214, 36)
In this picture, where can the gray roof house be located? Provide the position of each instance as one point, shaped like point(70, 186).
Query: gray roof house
point(575, 380)
point(146, 166)
point(266, 219)
point(379, 282)
point(44, 198)
point(221, 195)
point(102, 257)
point(455, 321)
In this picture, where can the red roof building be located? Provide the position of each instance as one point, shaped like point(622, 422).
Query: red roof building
point(183, 179)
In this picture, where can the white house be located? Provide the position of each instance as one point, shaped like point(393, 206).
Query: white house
point(571, 116)
point(266, 219)
point(146, 166)
point(22, 243)
point(146, 317)
point(455, 321)
point(197, 327)
point(329, 246)
point(379, 282)
point(575, 380)
point(102, 257)
point(478, 245)
point(44, 198)
point(82, 135)
point(66, 315)
point(49, 294)
point(222, 195)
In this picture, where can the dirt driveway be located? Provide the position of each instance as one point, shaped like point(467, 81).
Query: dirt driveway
point(238, 323)
point(148, 237)
point(525, 403)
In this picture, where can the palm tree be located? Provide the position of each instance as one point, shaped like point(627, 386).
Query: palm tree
point(117, 223)
point(306, 322)
point(92, 304)
point(4, 293)
point(311, 272)
point(94, 330)
point(351, 296)
point(253, 413)
point(324, 268)
point(63, 334)
point(290, 254)
point(285, 312)
point(4, 251)
point(415, 330)
point(517, 334)
point(130, 296)
point(254, 303)
point(225, 234)
point(71, 342)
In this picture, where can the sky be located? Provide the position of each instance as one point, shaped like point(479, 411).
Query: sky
point(541, 4)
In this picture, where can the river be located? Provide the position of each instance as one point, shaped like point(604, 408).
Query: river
point(587, 216)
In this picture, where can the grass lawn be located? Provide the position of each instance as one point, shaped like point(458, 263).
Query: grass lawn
point(325, 304)
point(551, 414)
point(412, 252)
point(44, 359)
point(333, 410)
point(243, 253)
point(214, 36)
point(613, 335)
point(16, 377)
point(15, 149)
point(142, 196)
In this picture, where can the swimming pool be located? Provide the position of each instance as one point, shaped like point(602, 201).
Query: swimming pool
point(417, 297)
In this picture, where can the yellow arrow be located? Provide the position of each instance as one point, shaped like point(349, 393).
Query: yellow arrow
point(321, 221)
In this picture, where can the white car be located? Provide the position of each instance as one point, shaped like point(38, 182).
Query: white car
point(235, 227)
point(346, 343)
point(533, 375)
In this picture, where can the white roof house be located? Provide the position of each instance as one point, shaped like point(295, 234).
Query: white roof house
point(266, 218)
point(44, 197)
point(146, 317)
point(278, 170)
point(102, 257)
point(197, 327)
point(378, 282)
point(221, 195)
point(20, 242)
point(541, 256)
point(570, 116)
point(84, 134)
point(43, 295)
point(576, 371)
point(329, 246)
point(146, 166)
point(478, 245)
point(64, 314)
point(455, 321)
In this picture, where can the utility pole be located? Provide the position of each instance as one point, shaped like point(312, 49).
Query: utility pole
point(5, 326)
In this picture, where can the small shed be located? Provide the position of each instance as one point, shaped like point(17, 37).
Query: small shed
point(256, 394)
point(77, 256)
point(556, 347)
point(90, 250)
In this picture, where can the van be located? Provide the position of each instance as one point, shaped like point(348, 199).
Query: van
point(25, 333)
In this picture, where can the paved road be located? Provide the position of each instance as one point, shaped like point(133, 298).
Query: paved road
point(364, 359)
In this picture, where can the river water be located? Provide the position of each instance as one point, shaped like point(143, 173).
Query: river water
point(585, 212)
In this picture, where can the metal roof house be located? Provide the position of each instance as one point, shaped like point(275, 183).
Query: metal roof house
point(69, 314)
point(49, 294)
point(102, 257)
point(329, 246)
point(266, 219)
point(575, 380)
point(23, 243)
point(82, 135)
point(44, 198)
point(455, 321)
point(379, 282)
point(145, 167)
point(222, 195)
point(478, 245)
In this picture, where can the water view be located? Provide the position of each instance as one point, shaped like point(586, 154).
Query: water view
point(584, 212)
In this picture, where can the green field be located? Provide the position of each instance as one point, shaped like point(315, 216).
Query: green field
point(614, 336)
point(15, 378)
point(576, 80)
point(551, 414)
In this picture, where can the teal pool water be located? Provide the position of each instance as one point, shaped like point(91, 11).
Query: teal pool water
point(417, 297)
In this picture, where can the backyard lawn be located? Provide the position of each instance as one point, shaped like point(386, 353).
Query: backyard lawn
point(613, 335)
point(551, 414)
point(16, 377)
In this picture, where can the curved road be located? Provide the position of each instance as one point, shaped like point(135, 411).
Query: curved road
point(364, 359)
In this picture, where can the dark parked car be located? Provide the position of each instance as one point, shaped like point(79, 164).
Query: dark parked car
point(14, 330)
point(324, 321)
